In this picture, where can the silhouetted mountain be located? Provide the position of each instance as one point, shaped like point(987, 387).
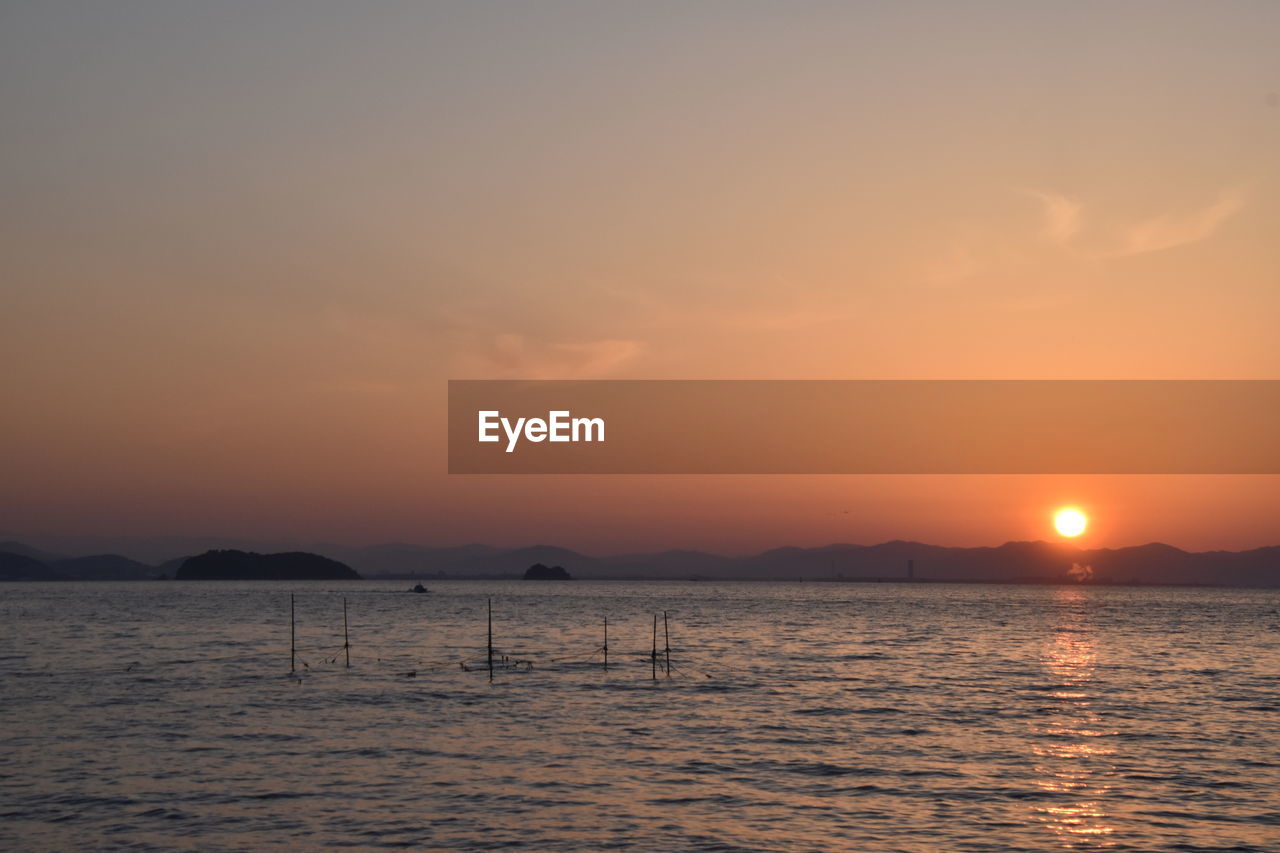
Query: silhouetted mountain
point(1012, 562)
point(20, 567)
point(465, 561)
point(548, 554)
point(45, 557)
point(169, 568)
point(397, 558)
point(101, 567)
point(1021, 562)
point(246, 565)
point(149, 550)
point(686, 565)
point(539, 572)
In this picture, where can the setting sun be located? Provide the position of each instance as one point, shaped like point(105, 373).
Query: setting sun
point(1070, 522)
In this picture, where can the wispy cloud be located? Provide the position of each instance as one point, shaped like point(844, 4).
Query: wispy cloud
point(988, 251)
point(1061, 217)
point(1179, 228)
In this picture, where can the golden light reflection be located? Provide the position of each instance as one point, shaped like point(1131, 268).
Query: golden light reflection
point(1073, 760)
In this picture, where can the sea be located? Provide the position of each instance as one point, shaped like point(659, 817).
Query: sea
point(773, 717)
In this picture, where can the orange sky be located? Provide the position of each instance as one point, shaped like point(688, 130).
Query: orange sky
point(245, 246)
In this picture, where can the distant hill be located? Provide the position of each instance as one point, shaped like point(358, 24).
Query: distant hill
point(169, 568)
point(246, 565)
point(20, 567)
point(22, 562)
point(1012, 562)
point(104, 567)
point(413, 561)
point(539, 572)
point(46, 557)
point(398, 558)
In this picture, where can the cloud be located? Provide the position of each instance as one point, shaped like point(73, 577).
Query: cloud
point(517, 357)
point(1021, 263)
point(1178, 229)
point(1061, 217)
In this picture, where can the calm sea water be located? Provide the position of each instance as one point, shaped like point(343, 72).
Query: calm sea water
point(796, 717)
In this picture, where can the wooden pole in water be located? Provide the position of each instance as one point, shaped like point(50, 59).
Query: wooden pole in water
point(490, 606)
point(606, 644)
point(653, 655)
point(666, 639)
point(346, 637)
point(293, 646)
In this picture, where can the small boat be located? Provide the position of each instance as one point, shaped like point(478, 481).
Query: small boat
point(419, 588)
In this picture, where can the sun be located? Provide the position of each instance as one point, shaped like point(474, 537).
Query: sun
point(1070, 522)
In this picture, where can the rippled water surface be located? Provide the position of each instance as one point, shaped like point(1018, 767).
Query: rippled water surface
point(796, 717)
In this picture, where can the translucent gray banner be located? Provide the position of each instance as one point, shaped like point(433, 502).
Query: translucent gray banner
point(864, 427)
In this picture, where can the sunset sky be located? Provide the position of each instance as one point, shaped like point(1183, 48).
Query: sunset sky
point(243, 246)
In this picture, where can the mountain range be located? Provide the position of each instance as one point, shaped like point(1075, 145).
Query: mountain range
point(1012, 562)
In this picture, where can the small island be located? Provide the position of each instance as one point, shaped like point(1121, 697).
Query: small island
point(539, 572)
point(249, 566)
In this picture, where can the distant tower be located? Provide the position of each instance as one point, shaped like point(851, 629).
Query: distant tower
point(911, 570)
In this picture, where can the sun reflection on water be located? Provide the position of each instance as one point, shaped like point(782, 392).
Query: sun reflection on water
point(1072, 755)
